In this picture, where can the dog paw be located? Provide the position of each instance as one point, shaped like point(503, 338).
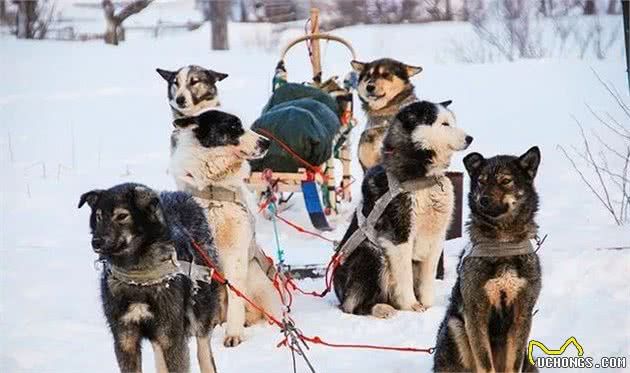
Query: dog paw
point(232, 340)
point(418, 307)
point(383, 311)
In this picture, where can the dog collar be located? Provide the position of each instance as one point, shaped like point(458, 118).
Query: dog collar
point(219, 194)
point(498, 249)
point(163, 272)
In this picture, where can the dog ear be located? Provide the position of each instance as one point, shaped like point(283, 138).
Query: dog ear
point(530, 161)
point(145, 198)
point(473, 162)
point(90, 197)
point(446, 103)
point(408, 118)
point(167, 75)
point(413, 70)
point(358, 66)
point(218, 76)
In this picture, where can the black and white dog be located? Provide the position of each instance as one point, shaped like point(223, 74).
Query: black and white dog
point(154, 285)
point(209, 159)
point(192, 89)
point(397, 268)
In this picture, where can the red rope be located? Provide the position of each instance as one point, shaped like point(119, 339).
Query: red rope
point(314, 169)
point(217, 275)
point(303, 230)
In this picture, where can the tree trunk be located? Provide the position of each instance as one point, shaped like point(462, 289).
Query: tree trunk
point(589, 7)
point(612, 6)
point(25, 19)
point(114, 31)
point(3, 10)
point(219, 12)
point(111, 31)
point(449, 11)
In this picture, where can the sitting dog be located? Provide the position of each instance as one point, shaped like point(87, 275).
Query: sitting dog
point(209, 159)
point(395, 268)
point(154, 284)
point(384, 88)
point(192, 89)
point(489, 317)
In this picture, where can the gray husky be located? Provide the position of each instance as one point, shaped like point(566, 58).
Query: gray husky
point(396, 269)
point(488, 321)
point(154, 283)
point(192, 89)
point(384, 88)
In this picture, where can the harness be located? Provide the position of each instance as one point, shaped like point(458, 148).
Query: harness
point(366, 225)
point(498, 249)
point(221, 194)
point(164, 271)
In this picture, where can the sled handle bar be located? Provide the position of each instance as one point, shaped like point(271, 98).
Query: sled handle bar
point(318, 36)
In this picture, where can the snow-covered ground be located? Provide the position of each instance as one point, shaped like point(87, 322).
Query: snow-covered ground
point(77, 116)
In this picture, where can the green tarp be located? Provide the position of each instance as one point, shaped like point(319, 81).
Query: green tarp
point(305, 119)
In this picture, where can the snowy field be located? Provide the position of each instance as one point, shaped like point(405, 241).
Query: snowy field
point(78, 116)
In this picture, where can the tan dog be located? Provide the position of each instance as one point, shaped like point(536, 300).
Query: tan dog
point(384, 88)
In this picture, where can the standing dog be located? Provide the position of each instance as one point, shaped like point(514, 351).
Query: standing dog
point(191, 89)
point(489, 318)
point(384, 88)
point(209, 159)
point(154, 284)
point(396, 269)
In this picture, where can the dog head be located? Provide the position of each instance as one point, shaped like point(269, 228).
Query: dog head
point(422, 139)
point(502, 187)
point(211, 147)
point(191, 89)
point(382, 80)
point(123, 219)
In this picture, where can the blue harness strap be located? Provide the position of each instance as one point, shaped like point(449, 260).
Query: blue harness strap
point(314, 206)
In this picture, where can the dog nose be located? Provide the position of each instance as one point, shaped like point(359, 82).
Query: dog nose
point(469, 139)
point(264, 143)
point(181, 100)
point(484, 201)
point(370, 88)
point(97, 243)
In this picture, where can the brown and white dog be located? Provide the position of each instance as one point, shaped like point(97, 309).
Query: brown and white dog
point(384, 88)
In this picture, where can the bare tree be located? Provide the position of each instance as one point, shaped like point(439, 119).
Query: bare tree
point(604, 166)
point(25, 19)
point(114, 31)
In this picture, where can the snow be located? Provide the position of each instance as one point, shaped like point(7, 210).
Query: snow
point(78, 116)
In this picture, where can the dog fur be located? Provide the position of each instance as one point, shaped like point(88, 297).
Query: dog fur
point(398, 273)
point(192, 89)
point(212, 149)
point(489, 317)
point(384, 88)
point(134, 228)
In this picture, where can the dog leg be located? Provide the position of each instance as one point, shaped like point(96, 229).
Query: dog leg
point(204, 355)
point(158, 355)
point(128, 350)
point(234, 264)
point(517, 338)
point(383, 311)
point(427, 269)
point(401, 272)
point(477, 331)
point(176, 354)
point(261, 288)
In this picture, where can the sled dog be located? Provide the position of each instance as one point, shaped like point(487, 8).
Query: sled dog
point(191, 89)
point(154, 285)
point(395, 269)
point(384, 88)
point(209, 159)
point(489, 317)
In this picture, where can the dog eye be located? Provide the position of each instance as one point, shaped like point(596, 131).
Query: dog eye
point(445, 124)
point(386, 76)
point(193, 81)
point(122, 216)
point(506, 181)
